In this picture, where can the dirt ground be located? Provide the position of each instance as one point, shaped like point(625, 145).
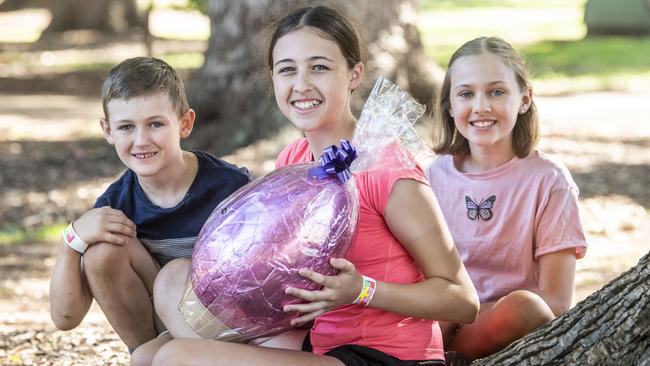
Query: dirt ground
point(53, 163)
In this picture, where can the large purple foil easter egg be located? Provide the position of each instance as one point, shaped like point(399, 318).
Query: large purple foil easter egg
point(253, 244)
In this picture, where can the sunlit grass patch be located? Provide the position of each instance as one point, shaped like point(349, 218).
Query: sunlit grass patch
point(551, 34)
point(551, 84)
point(602, 56)
point(14, 235)
point(443, 31)
point(63, 61)
point(184, 60)
point(23, 25)
point(179, 24)
point(603, 63)
point(464, 4)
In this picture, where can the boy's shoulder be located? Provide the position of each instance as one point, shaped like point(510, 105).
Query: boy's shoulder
point(213, 165)
point(217, 177)
point(118, 190)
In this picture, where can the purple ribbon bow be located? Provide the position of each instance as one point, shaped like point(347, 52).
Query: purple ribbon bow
point(335, 161)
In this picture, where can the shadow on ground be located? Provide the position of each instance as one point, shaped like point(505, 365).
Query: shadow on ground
point(616, 179)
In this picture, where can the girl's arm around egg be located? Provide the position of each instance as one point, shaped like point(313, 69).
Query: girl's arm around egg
point(446, 293)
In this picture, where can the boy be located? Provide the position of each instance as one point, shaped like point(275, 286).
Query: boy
point(150, 215)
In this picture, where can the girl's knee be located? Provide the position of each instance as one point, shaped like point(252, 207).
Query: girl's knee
point(170, 283)
point(143, 355)
point(140, 357)
point(173, 353)
point(172, 276)
point(525, 310)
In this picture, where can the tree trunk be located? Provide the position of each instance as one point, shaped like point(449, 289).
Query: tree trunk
point(233, 98)
point(110, 16)
point(610, 327)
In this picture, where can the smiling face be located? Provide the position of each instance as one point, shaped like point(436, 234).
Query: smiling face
point(312, 81)
point(146, 133)
point(485, 100)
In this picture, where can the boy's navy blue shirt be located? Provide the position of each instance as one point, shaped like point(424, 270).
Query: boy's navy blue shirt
point(170, 233)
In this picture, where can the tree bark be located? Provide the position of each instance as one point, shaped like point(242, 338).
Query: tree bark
point(232, 97)
point(610, 327)
point(110, 16)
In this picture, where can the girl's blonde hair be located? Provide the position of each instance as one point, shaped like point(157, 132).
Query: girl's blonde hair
point(525, 135)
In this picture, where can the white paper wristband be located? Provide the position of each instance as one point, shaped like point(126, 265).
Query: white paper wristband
point(73, 240)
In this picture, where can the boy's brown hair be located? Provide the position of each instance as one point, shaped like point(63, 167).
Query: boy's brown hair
point(140, 76)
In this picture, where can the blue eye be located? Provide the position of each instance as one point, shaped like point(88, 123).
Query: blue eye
point(320, 68)
point(156, 124)
point(497, 92)
point(286, 69)
point(125, 127)
point(466, 94)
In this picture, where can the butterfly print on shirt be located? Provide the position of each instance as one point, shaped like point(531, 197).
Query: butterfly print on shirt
point(482, 210)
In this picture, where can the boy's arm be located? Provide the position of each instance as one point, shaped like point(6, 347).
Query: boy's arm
point(70, 297)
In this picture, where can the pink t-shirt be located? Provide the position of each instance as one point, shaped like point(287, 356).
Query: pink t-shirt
point(376, 253)
point(504, 219)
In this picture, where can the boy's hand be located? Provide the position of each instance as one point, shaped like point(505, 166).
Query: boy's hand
point(341, 289)
point(105, 225)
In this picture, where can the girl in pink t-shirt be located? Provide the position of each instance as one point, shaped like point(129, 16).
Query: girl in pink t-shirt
point(402, 251)
point(512, 211)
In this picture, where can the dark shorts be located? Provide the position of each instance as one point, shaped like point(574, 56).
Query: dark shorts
point(354, 355)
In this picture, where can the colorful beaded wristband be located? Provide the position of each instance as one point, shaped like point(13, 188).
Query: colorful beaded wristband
point(367, 291)
point(73, 240)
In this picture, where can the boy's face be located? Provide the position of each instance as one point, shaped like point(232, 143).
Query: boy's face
point(146, 133)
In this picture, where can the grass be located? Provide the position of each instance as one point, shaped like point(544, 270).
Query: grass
point(12, 235)
point(72, 60)
point(427, 5)
point(590, 64)
point(551, 35)
point(444, 30)
point(186, 60)
point(603, 56)
point(23, 25)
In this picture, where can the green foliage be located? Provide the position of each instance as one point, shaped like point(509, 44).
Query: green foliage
point(200, 5)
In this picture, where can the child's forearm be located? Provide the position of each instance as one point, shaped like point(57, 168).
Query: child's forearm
point(558, 304)
point(433, 298)
point(556, 279)
point(70, 297)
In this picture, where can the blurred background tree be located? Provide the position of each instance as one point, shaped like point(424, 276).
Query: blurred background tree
point(109, 16)
point(231, 93)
